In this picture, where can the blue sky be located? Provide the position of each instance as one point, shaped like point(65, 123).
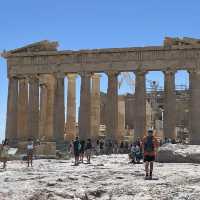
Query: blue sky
point(93, 24)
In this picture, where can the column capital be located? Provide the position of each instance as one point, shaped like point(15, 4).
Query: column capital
point(88, 74)
point(95, 75)
point(43, 85)
point(169, 71)
point(71, 76)
point(22, 77)
point(12, 77)
point(193, 71)
point(59, 75)
point(140, 72)
point(112, 73)
point(33, 77)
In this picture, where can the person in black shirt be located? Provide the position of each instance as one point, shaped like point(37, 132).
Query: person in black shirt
point(82, 150)
point(77, 147)
point(88, 150)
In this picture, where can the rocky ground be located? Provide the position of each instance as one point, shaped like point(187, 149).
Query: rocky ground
point(179, 153)
point(107, 178)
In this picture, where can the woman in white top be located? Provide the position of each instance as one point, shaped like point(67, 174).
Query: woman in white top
point(30, 149)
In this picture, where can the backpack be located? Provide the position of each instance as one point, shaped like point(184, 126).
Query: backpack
point(79, 146)
point(148, 144)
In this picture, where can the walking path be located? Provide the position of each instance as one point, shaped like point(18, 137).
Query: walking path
point(107, 178)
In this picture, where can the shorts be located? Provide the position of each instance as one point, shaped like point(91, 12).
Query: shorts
point(149, 158)
point(82, 151)
point(30, 152)
point(76, 153)
point(88, 152)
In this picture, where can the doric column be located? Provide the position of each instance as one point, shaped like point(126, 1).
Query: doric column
point(121, 117)
point(112, 107)
point(85, 106)
point(50, 108)
point(195, 106)
point(59, 109)
point(95, 106)
point(47, 99)
point(33, 108)
point(140, 104)
point(22, 114)
point(169, 118)
point(11, 121)
point(43, 109)
point(71, 107)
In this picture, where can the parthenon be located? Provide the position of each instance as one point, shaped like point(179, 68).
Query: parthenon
point(36, 73)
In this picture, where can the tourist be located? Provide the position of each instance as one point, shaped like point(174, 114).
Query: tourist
point(30, 151)
point(70, 148)
point(77, 147)
point(4, 152)
point(126, 146)
point(132, 153)
point(115, 147)
point(88, 150)
point(109, 148)
point(139, 143)
point(138, 153)
point(121, 147)
point(101, 145)
point(135, 154)
point(82, 150)
point(97, 149)
point(149, 147)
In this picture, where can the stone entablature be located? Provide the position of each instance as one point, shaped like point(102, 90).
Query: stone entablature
point(102, 60)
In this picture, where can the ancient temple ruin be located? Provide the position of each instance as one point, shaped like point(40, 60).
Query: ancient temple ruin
point(36, 76)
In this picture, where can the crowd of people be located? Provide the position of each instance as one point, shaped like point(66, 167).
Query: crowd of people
point(142, 150)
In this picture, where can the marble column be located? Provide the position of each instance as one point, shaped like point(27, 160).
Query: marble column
point(169, 118)
point(59, 109)
point(112, 107)
point(11, 121)
point(22, 112)
point(140, 104)
point(47, 99)
point(71, 108)
point(95, 107)
point(121, 118)
point(195, 106)
point(33, 108)
point(85, 106)
point(43, 110)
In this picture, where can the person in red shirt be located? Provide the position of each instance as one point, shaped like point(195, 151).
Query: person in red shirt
point(149, 144)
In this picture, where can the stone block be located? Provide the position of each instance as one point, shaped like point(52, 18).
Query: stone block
point(46, 148)
point(178, 153)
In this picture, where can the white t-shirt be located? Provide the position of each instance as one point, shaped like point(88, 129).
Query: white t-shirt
point(30, 146)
